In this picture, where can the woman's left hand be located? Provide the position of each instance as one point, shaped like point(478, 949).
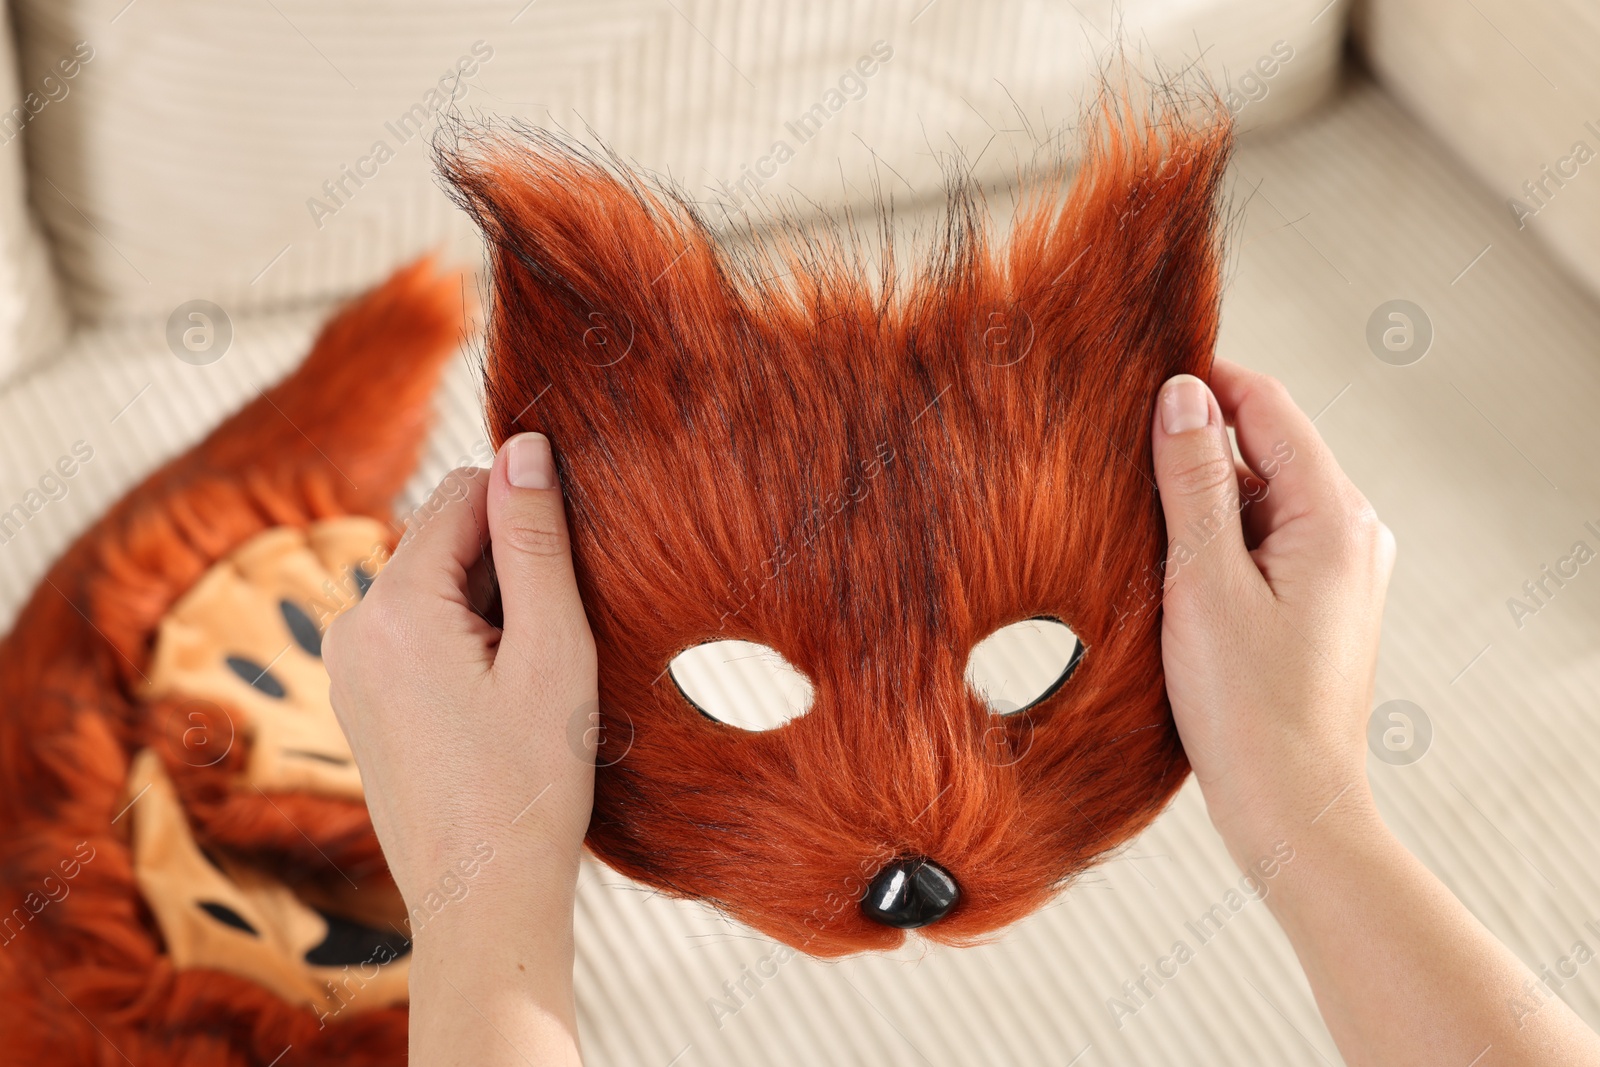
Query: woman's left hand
point(476, 754)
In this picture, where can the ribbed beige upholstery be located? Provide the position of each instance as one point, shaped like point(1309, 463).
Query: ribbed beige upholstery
point(1481, 458)
point(196, 144)
point(1514, 89)
point(33, 317)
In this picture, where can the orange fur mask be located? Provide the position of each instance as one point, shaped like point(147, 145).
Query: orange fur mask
point(868, 475)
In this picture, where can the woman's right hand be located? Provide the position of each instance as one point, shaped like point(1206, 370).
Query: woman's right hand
point(1270, 642)
point(1274, 595)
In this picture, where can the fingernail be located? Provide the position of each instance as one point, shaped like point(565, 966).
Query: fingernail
point(1185, 404)
point(529, 464)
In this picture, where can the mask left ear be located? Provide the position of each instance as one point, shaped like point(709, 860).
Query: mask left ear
point(591, 268)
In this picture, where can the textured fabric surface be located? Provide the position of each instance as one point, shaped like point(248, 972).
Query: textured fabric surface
point(262, 153)
point(33, 317)
point(1513, 88)
point(1479, 457)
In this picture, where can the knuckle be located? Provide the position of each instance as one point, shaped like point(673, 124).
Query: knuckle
point(458, 482)
point(452, 488)
point(1388, 548)
point(384, 626)
point(333, 640)
point(1361, 534)
point(1202, 475)
point(1265, 391)
point(1363, 523)
point(1386, 539)
point(538, 534)
point(1273, 390)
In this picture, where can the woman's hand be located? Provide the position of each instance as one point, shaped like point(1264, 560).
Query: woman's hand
point(476, 757)
point(1270, 641)
point(1274, 596)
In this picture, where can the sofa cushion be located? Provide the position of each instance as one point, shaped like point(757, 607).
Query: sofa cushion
point(259, 154)
point(33, 318)
point(1513, 88)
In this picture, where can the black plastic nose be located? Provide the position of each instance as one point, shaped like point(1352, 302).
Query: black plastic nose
point(912, 891)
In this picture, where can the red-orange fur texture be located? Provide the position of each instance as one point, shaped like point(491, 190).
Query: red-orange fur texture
point(84, 979)
point(868, 471)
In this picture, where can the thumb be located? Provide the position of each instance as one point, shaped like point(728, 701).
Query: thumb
point(1198, 484)
point(532, 553)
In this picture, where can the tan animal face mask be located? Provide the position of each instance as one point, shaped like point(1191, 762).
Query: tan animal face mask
point(250, 805)
point(248, 638)
point(219, 914)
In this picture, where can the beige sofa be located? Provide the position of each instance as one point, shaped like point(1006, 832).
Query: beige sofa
point(168, 151)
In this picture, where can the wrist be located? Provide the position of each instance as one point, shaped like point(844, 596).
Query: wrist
point(1294, 806)
point(498, 948)
point(492, 921)
point(498, 964)
point(1310, 852)
point(490, 885)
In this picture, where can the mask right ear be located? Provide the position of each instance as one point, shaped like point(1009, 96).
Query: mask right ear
point(1120, 280)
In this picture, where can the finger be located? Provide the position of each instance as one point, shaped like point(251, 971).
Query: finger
point(532, 554)
point(444, 538)
point(427, 571)
point(1199, 486)
point(1281, 445)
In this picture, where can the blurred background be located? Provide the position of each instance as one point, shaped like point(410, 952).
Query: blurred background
point(1415, 251)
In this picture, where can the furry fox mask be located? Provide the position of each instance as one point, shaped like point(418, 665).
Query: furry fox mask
point(866, 474)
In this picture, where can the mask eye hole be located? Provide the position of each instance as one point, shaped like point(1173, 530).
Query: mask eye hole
point(742, 684)
point(1020, 665)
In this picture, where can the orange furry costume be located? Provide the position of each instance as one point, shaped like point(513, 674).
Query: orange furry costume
point(110, 954)
point(869, 475)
